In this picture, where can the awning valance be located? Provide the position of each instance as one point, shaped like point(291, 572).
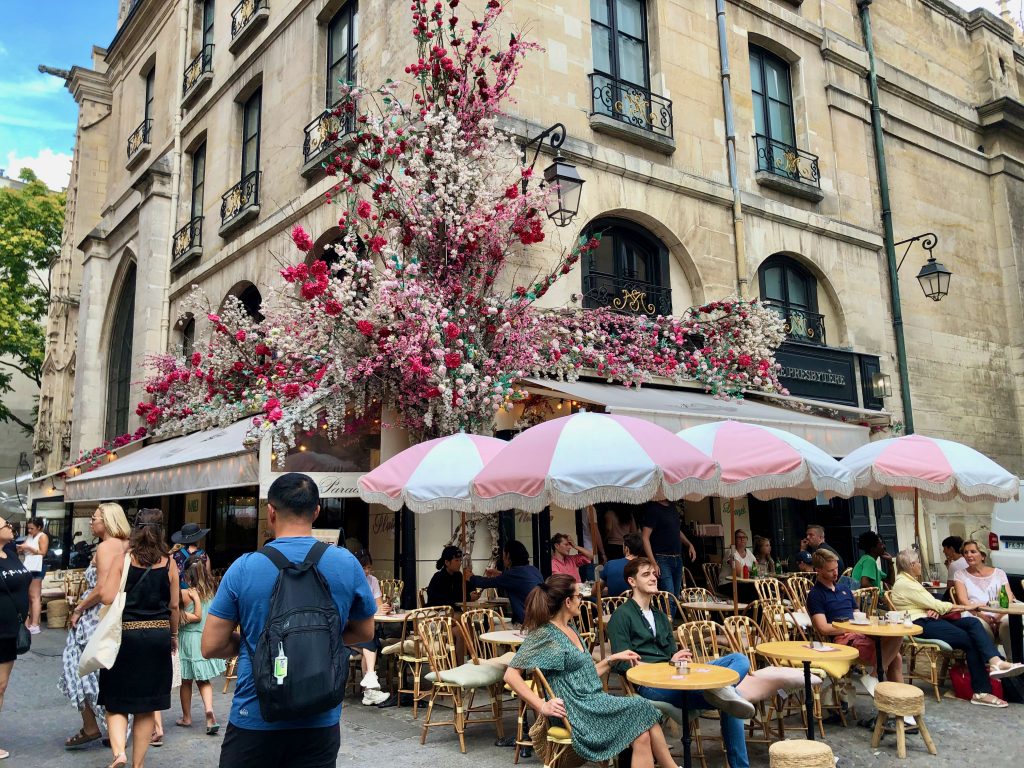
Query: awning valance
point(202, 461)
point(677, 409)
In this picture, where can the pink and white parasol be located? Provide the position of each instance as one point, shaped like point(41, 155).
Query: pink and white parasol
point(936, 469)
point(769, 463)
point(432, 475)
point(591, 458)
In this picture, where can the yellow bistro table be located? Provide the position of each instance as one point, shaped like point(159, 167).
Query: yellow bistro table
point(701, 677)
point(802, 651)
point(879, 631)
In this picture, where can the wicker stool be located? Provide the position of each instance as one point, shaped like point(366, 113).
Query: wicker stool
point(898, 700)
point(800, 753)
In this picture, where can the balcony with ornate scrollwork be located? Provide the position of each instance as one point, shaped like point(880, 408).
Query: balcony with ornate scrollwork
point(623, 294)
point(187, 243)
point(320, 137)
point(631, 112)
point(800, 324)
point(248, 18)
point(198, 76)
point(139, 143)
point(787, 168)
point(241, 203)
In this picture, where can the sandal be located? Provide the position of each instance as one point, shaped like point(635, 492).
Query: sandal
point(988, 700)
point(157, 740)
point(119, 761)
point(4, 754)
point(211, 730)
point(1005, 669)
point(182, 724)
point(81, 739)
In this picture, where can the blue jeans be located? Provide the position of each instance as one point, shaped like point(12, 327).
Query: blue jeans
point(732, 728)
point(671, 577)
point(965, 634)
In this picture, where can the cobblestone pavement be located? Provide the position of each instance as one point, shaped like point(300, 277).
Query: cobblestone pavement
point(37, 718)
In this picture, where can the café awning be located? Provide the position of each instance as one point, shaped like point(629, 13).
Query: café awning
point(677, 409)
point(202, 461)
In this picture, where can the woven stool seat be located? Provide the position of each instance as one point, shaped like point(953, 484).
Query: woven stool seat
point(800, 753)
point(899, 699)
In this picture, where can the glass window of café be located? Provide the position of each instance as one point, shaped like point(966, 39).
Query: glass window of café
point(353, 449)
point(233, 524)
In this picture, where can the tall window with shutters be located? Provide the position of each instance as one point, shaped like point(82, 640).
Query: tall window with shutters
point(119, 359)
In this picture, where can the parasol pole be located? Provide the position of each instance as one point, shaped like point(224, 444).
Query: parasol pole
point(735, 584)
point(592, 521)
point(463, 571)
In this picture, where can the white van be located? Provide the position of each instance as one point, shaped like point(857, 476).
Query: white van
point(1006, 541)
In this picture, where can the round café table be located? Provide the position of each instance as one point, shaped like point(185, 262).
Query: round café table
point(719, 606)
point(1016, 614)
point(513, 637)
point(800, 650)
point(389, 618)
point(879, 631)
point(701, 677)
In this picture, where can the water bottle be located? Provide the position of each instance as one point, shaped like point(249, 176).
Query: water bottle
point(1004, 597)
point(753, 571)
point(778, 567)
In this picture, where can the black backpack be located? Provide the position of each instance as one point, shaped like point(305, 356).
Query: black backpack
point(304, 627)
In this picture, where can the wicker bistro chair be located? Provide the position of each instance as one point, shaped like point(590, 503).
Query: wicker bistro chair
point(476, 621)
point(711, 573)
point(697, 595)
point(558, 738)
point(936, 656)
point(667, 603)
point(688, 580)
point(867, 599)
point(410, 655)
point(421, 598)
point(460, 682)
point(798, 587)
point(389, 587)
point(771, 590)
point(587, 625)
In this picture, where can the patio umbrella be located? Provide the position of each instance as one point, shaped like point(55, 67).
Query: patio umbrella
point(432, 475)
point(768, 463)
point(591, 458)
point(916, 465)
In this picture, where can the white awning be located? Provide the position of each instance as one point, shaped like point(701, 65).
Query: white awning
point(202, 461)
point(677, 409)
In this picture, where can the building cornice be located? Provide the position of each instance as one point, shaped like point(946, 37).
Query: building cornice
point(1004, 115)
point(89, 85)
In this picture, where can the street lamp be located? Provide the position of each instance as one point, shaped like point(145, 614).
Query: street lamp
point(933, 276)
point(881, 385)
point(565, 204)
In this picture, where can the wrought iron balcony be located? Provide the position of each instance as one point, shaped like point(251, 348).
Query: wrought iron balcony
point(322, 133)
point(246, 18)
point(630, 104)
point(800, 324)
point(623, 294)
point(188, 242)
point(139, 141)
point(201, 65)
point(241, 202)
point(786, 161)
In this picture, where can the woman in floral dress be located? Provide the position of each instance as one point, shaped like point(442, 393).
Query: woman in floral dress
point(602, 725)
point(108, 524)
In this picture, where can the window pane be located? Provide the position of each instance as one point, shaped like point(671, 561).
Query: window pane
point(337, 74)
point(780, 122)
point(603, 258)
point(773, 284)
point(760, 125)
point(198, 180)
point(755, 71)
point(640, 262)
point(631, 62)
point(249, 157)
point(208, 8)
point(797, 285)
point(602, 49)
point(778, 81)
point(599, 11)
point(355, 28)
point(630, 17)
point(339, 39)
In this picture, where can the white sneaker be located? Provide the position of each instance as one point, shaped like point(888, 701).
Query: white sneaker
point(730, 702)
point(370, 680)
point(34, 629)
point(373, 696)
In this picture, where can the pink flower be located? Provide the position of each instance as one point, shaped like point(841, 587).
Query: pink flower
point(452, 360)
point(452, 332)
point(301, 239)
point(240, 336)
point(196, 359)
point(365, 327)
point(363, 209)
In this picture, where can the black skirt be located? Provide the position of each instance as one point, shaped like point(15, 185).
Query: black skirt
point(140, 680)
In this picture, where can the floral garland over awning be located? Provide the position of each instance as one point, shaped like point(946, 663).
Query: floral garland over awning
point(414, 307)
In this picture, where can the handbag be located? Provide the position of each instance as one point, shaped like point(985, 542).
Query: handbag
point(101, 650)
point(23, 639)
point(960, 679)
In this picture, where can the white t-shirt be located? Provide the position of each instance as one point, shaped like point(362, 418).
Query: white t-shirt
point(981, 589)
point(954, 567)
point(747, 560)
point(374, 583)
point(649, 616)
point(33, 563)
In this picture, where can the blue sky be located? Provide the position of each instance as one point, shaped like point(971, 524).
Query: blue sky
point(37, 114)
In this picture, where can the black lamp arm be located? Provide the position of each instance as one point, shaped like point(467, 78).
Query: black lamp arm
point(555, 135)
point(928, 241)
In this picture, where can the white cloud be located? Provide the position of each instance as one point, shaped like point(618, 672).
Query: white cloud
point(54, 168)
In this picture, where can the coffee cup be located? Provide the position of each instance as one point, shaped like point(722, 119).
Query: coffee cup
point(860, 617)
point(894, 617)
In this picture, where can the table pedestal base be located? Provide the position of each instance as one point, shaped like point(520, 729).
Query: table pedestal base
point(687, 739)
point(809, 701)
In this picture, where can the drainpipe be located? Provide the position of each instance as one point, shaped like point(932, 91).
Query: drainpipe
point(883, 192)
point(184, 25)
point(730, 149)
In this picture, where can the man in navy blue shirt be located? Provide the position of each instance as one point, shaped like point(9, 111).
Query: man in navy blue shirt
point(243, 599)
point(518, 579)
point(612, 575)
point(829, 601)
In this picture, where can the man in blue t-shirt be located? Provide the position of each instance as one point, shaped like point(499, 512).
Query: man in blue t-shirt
point(518, 579)
point(243, 599)
point(612, 575)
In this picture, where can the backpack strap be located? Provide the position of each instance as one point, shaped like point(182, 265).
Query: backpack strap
point(316, 552)
point(282, 562)
point(276, 557)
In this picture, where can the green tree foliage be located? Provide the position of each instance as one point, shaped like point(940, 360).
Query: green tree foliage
point(31, 219)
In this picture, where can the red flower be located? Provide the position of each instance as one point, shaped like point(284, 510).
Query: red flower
point(240, 335)
point(196, 359)
point(365, 327)
point(745, 360)
point(262, 349)
point(431, 392)
point(333, 308)
point(512, 192)
point(452, 360)
point(452, 332)
point(377, 243)
point(291, 389)
point(302, 240)
point(363, 209)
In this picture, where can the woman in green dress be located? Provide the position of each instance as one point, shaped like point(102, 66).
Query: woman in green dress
point(602, 725)
point(195, 603)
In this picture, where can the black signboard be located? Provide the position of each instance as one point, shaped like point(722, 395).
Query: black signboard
point(819, 373)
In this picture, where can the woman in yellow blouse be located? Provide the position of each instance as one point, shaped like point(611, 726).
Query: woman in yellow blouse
point(940, 620)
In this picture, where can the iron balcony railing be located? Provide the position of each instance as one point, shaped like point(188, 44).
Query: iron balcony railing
point(786, 161)
point(197, 67)
point(800, 324)
point(623, 294)
point(323, 131)
point(187, 239)
point(241, 197)
point(244, 13)
point(140, 138)
point(630, 104)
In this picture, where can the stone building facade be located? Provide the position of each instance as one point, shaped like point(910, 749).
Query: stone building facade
point(199, 149)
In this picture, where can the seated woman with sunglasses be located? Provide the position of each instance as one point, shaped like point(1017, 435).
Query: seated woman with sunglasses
point(602, 725)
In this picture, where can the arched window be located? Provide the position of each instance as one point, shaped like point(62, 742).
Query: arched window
point(252, 300)
point(119, 359)
point(628, 271)
point(188, 336)
point(792, 291)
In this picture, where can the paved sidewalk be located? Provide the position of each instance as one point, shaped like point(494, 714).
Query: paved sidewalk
point(37, 718)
